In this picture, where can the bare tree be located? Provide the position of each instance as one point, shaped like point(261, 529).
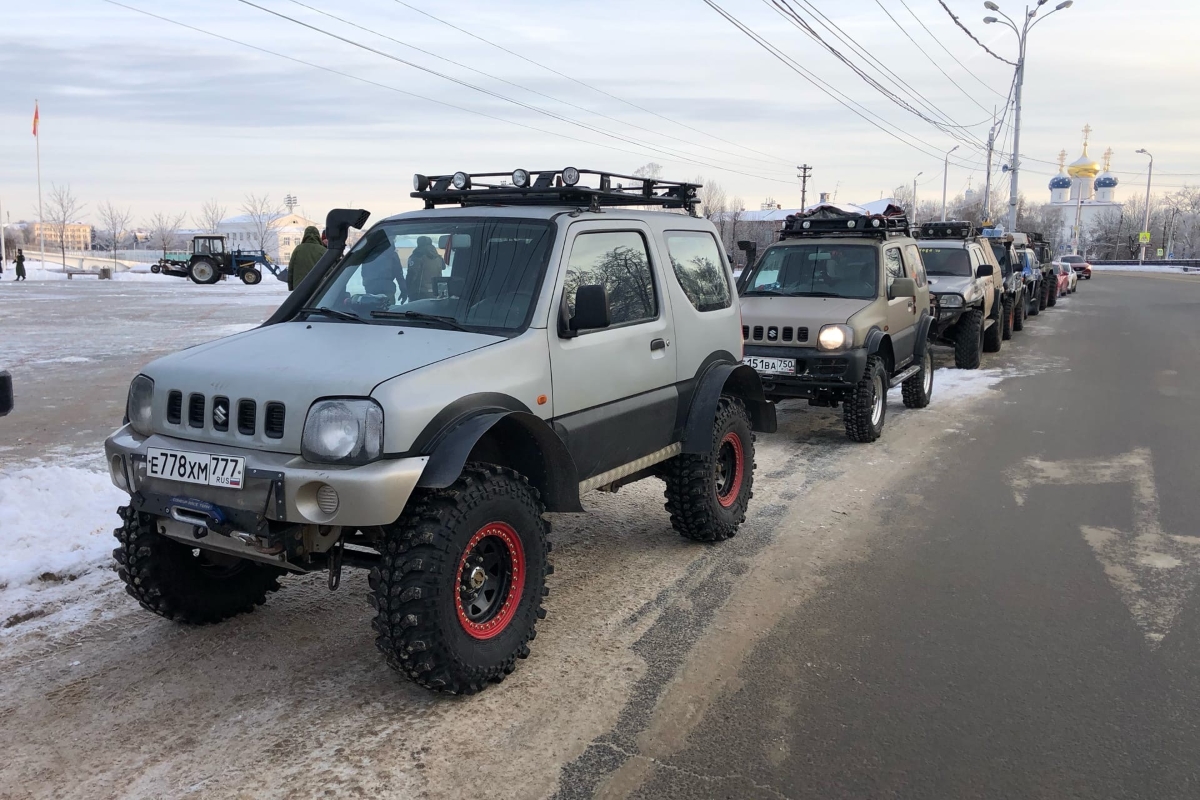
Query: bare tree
point(262, 215)
point(164, 230)
point(62, 209)
point(652, 170)
point(712, 199)
point(115, 223)
point(210, 217)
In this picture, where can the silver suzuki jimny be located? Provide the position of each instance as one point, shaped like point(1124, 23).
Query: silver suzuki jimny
point(416, 405)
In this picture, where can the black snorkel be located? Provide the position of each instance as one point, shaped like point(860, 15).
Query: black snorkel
point(338, 223)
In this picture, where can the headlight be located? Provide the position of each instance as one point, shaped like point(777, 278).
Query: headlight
point(138, 406)
point(343, 432)
point(950, 300)
point(835, 337)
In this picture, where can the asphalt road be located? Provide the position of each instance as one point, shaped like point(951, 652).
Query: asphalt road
point(994, 600)
point(1028, 626)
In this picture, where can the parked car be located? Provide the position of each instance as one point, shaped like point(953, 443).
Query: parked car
point(1020, 270)
point(1073, 276)
point(1078, 265)
point(969, 312)
point(419, 424)
point(1062, 277)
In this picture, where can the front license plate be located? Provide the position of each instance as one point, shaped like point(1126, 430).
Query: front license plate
point(203, 468)
point(771, 366)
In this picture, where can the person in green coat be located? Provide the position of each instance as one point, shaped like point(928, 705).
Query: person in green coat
point(304, 257)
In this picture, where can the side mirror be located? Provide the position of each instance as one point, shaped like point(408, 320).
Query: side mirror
point(904, 287)
point(6, 393)
point(985, 271)
point(591, 308)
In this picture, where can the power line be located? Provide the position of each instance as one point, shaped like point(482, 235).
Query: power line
point(978, 80)
point(967, 31)
point(860, 111)
point(498, 96)
point(376, 84)
point(584, 84)
point(365, 29)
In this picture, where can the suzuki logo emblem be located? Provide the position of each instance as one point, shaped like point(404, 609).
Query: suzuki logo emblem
point(220, 414)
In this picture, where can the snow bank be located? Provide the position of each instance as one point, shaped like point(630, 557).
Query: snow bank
point(55, 525)
point(1146, 268)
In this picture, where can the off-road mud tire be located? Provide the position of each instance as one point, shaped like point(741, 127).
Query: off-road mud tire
point(699, 509)
point(419, 620)
point(993, 337)
point(1035, 305)
point(1007, 312)
point(1044, 297)
point(917, 391)
point(1018, 322)
point(968, 341)
point(858, 407)
point(1052, 297)
point(171, 579)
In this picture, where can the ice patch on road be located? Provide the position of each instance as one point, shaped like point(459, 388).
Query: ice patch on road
point(55, 526)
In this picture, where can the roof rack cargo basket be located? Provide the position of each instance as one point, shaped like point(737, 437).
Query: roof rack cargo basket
point(949, 229)
point(553, 187)
point(857, 225)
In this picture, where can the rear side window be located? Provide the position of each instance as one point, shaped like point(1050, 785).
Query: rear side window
point(893, 265)
point(697, 265)
point(618, 261)
point(916, 267)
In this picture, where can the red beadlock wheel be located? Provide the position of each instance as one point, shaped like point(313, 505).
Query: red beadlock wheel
point(490, 580)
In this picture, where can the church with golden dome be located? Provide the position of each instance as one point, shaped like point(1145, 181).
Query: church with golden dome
point(1083, 189)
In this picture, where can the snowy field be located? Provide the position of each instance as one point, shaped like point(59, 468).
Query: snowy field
point(1167, 268)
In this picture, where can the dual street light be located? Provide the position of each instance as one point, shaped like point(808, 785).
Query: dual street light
point(1146, 212)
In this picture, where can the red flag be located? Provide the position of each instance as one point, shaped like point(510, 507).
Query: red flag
point(35, 117)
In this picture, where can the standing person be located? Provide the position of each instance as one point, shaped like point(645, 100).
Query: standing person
point(304, 257)
point(20, 262)
point(382, 273)
point(424, 266)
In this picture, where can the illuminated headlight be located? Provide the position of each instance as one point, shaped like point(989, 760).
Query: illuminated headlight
point(343, 432)
point(138, 406)
point(835, 337)
point(570, 176)
point(520, 178)
point(950, 300)
point(461, 180)
point(420, 183)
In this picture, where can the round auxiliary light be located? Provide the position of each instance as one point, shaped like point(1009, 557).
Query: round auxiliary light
point(849, 223)
point(327, 499)
point(420, 183)
point(461, 180)
point(875, 223)
point(806, 224)
point(570, 176)
point(520, 178)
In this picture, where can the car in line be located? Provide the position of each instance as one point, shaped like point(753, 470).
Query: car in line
point(1078, 265)
point(1062, 281)
point(970, 313)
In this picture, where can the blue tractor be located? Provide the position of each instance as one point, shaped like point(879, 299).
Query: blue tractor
point(210, 260)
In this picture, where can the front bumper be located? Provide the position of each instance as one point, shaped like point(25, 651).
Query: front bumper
point(279, 487)
point(817, 372)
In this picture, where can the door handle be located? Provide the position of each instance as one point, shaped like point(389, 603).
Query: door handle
point(658, 344)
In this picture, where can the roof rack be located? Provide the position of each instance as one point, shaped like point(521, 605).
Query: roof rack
point(826, 224)
point(553, 187)
point(949, 229)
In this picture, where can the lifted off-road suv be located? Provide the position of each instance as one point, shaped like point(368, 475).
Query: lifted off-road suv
point(415, 406)
point(965, 282)
point(838, 312)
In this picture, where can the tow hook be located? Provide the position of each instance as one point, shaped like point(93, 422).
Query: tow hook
point(335, 564)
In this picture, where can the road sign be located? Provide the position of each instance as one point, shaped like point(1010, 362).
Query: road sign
point(1160, 252)
point(1144, 237)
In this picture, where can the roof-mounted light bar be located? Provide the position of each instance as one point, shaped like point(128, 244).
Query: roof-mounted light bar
point(554, 188)
point(826, 224)
point(952, 229)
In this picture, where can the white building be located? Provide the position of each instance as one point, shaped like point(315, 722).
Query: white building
point(281, 239)
point(1081, 191)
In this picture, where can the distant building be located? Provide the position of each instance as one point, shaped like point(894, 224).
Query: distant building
point(1082, 189)
point(285, 233)
point(77, 236)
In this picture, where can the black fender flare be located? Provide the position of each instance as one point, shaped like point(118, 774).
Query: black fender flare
point(536, 452)
point(742, 381)
point(923, 327)
point(874, 341)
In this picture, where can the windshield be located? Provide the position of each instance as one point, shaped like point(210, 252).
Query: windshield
point(1072, 259)
point(946, 261)
point(460, 273)
point(817, 270)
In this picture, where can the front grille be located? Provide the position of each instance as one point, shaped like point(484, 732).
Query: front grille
point(758, 333)
point(175, 407)
point(220, 413)
point(273, 421)
point(772, 333)
point(787, 334)
point(196, 410)
point(801, 334)
point(831, 367)
point(745, 332)
point(246, 417)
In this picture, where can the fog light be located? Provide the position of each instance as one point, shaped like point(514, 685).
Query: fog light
point(570, 176)
point(520, 178)
point(116, 468)
point(461, 180)
point(327, 499)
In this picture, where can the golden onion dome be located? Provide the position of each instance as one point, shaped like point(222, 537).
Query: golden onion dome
point(1084, 167)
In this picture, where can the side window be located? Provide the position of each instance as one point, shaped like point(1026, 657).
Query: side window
point(893, 265)
point(916, 267)
point(697, 265)
point(617, 260)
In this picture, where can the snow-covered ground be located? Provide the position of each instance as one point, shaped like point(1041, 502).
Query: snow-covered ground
point(1146, 268)
point(53, 271)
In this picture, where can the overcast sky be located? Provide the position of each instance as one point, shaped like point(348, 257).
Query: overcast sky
point(159, 117)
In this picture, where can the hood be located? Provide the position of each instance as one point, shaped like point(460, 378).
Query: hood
point(950, 284)
point(311, 235)
point(292, 364)
point(803, 316)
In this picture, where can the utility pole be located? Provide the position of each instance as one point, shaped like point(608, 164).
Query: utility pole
point(291, 202)
point(803, 175)
point(986, 214)
point(913, 221)
point(946, 179)
point(1146, 216)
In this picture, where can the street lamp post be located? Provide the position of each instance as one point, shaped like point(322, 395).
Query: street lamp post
point(919, 174)
point(1146, 213)
point(1022, 34)
point(945, 179)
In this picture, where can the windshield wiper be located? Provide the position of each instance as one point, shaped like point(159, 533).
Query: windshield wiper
point(449, 322)
point(332, 312)
point(816, 294)
point(763, 291)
